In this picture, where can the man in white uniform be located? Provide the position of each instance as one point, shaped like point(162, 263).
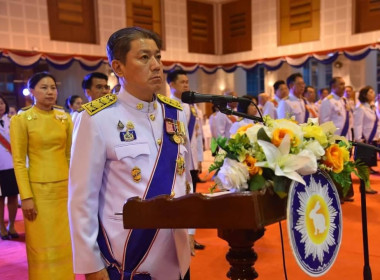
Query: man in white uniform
point(267, 107)
point(126, 145)
point(179, 83)
point(281, 91)
point(294, 105)
point(94, 85)
point(335, 108)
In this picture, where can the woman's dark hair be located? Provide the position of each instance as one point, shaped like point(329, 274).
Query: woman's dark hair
point(243, 106)
point(363, 94)
point(33, 81)
point(71, 100)
point(6, 104)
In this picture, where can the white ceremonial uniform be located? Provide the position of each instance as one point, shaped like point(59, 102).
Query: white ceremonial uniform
point(292, 107)
point(101, 181)
point(220, 125)
point(333, 108)
point(196, 143)
point(269, 109)
point(364, 121)
point(317, 105)
point(313, 109)
point(5, 156)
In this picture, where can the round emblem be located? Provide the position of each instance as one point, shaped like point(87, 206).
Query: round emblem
point(314, 223)
point(136, 174)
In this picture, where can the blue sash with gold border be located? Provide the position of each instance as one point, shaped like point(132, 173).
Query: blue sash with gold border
point(347, 122)
point(191, 124)
point(139, 241)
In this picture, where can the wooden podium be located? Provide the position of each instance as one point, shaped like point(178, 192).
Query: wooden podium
point(239, 217)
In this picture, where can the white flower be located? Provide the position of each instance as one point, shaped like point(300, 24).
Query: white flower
point(233, 175)
point(309, 166)
point(252, 132)
point(283, 163)
point(315, 148)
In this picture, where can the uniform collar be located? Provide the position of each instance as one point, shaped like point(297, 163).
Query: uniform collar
point(336, 96)
point(136, 104)
point(293, 97)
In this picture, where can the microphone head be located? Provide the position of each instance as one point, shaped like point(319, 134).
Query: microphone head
point(188, 97)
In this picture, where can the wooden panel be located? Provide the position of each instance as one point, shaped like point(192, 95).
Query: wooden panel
point(236, 23)
point(146, 14)
point(72, 21)
point(200, 27)
point(299, 21)
point(367, 14)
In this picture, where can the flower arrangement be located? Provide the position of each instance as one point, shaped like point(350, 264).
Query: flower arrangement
point(278, 151)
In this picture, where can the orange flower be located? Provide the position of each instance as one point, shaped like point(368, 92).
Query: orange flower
point(244, 128)
point(250, 163)
point(334, 158)
point(279, 134)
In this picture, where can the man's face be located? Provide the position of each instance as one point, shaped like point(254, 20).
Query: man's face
point(282, 91)
point(98, 88)
point(180, 85)
point(349, 93)
point(310, 94)
point(298, 87)
point(339, 87)
point(142, 73)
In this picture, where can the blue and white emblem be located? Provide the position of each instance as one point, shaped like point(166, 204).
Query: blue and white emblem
point(314, 223)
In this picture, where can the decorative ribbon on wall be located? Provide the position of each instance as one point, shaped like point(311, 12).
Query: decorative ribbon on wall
point(27, 59)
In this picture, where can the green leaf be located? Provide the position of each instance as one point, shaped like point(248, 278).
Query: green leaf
point(262, 135)
point(257, 182)
point(213, 145)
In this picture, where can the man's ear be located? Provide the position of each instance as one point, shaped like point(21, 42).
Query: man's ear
point(117, 68)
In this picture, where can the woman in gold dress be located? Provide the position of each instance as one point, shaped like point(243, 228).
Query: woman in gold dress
point(41, 142)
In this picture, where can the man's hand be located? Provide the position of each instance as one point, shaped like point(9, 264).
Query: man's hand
point(99, 275)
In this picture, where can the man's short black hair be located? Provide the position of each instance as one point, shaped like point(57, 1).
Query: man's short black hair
point(173, 75)
point(277, 84)
point(292, 78)
point(87, 81)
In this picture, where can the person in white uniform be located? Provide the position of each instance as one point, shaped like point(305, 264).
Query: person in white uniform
point(366, 128)
point(310, 96)
point(94, 85)
point(267, 107)
point(179, 83)
point(281, 91)
point(127, 145)
point(294, 105)
point(335, 108)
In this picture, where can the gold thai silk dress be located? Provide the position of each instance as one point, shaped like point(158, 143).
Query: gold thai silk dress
point(41, 143)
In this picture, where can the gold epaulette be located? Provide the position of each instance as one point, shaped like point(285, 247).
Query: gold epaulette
point(169, 101)
point(80, 110)
point(26, 108)
point(99, 104)
point(329, 96)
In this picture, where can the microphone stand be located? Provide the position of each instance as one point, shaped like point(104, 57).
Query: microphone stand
point(222, 106)
point(367, 269)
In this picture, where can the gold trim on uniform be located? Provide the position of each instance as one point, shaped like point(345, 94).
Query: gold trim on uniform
point(130, 125)
point(172, 194)
point(159, 141)
point(193, 111)
point(136, 174)
point(180, 165)
point(169, 101)
point(99, 104)
point(176, 139)
point(139, 106)
point(155, 105)
point(152, 117)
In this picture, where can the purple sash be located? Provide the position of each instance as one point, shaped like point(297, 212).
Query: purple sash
point(139, 241)
point(347, 122)
point(374, 130)
point(191, 123)
point(306, 112)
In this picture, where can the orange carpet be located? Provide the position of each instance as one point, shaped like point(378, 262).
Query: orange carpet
point(211, 264)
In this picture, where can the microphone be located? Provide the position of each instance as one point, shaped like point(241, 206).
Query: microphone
point(191, 97)
point(364, 145)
